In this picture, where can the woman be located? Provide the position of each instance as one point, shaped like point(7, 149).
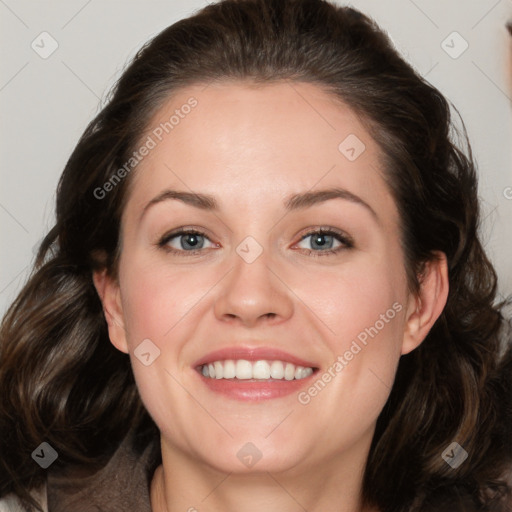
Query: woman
point(264, 289)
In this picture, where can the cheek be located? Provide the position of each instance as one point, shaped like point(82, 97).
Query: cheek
point(155, 299)
point(366, 317)
point(361, 297)
point(155, 303)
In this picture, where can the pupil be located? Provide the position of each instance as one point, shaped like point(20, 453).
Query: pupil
point(193, 237)
point(320, 239)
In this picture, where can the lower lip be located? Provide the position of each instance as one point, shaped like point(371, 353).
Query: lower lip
point(255, 390)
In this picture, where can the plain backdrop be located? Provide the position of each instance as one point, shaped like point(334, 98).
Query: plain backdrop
point(46, 100)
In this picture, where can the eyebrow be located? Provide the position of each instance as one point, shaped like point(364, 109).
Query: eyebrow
point(294, 202)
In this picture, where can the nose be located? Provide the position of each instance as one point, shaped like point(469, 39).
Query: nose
point(254, 293)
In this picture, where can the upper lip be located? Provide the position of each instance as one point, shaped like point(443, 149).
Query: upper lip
point(253, 354)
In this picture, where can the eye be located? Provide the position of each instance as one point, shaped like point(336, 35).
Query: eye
point(187, 242)
point(324, 239)
point(183, 242)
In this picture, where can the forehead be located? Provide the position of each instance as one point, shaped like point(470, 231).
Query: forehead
point(253, 145)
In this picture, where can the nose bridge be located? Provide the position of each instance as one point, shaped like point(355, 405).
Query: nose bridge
point(252, 290)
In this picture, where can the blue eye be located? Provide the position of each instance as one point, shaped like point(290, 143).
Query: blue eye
point(324, 239)
point(188, 239)
point(191, 242)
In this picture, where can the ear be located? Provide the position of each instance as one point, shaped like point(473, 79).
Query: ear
point(108, 290)
point(428, 304)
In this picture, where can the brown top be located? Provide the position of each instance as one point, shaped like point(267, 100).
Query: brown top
point(123, 484)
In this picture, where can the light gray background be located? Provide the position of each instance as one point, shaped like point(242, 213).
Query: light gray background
point(45, 104)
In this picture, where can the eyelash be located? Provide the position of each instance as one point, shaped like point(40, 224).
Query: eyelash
point(347, 241)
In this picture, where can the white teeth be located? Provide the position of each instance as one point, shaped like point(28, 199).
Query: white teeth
point(306, 372)
point(229, 369)
point(218, 369)
point(261, 369)
point(276, 370)
point(301, 372)
point(243, 369)
point(298, 372)
point(289, 371)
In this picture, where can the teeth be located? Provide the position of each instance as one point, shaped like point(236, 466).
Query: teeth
point(298, 372)
point(243, 369)
point(229, 369)
point(289, 371)
point(261, 370)
point(276, 370)
point(219, 370)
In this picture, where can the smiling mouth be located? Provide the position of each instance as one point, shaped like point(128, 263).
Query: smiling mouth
point(254, 371)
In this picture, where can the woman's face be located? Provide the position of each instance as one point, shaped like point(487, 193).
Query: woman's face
point(263, 284)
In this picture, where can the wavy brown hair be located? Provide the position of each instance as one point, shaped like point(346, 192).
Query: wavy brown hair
point(62, 380)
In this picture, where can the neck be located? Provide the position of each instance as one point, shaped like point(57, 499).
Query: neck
point(183, 483)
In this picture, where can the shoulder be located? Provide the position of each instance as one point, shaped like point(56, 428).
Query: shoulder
point(11, 503)
point(122, 484)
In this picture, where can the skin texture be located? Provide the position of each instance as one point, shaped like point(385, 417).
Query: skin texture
point(252, 147)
